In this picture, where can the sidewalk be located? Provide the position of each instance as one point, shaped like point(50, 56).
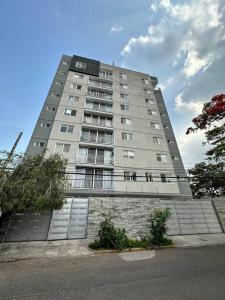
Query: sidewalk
point(43, 249)
point(77, 248)
point(199, 240)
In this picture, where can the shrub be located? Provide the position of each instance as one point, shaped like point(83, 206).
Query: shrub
point(144, 242)
point(110, 237)
point(158, 226)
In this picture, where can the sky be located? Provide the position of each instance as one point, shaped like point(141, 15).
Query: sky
point(180, 42)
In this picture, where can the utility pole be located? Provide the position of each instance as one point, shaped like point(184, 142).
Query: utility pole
point(9, 158)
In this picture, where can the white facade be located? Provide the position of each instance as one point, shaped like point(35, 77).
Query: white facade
point(114, 130)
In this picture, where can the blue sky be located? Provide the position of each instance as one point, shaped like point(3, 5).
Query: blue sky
point(182, 43)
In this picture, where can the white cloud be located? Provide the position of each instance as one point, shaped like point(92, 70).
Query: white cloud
point(191, 107)
point(154, 7)
point(191, 148)
point(185, 49)
point(116, 28)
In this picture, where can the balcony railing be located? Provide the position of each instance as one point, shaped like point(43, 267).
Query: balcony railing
point(101, 84)
point(99, 107)
point(101, 123)
point(93, 179)
point(99, 94)
point(95, 159)
point(106, 75)
point(98, 140)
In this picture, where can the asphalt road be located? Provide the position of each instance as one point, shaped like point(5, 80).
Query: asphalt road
point(190, 273)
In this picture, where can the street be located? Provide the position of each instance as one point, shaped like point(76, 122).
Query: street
point(184, 273)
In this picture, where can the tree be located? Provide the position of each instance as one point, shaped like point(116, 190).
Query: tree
point(209, 177)
point(32, 183)
point(207, 180)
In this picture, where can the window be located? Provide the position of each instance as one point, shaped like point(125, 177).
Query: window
point(55, 95)
point(149, 101)
point(63, 72)
point(128, 154)
point(65, 63)
point(155, 125)
point(175, 157)
point(39, 144)
point(157, 140)
point(123, 86)
point(163, 178)
point(98, 106)
point(130, 176)
point(127, 136)
point(161, 157)
point(97, 120)
point(59, 82)
point(75, 86)
point(45, 124)
point(123, 96)
point(146, 81)
point(166, 126)
point(100, 94)
point(124, 107)
point(163, 114)
point(123, 76)
point(148, 91)
point(170, 141)
point(93, 136)
point(102, 84)
point(69, 112)
point(66, 128)
point(78, 76)
point(80, 65)
point(105, 74)
point(93, 178)
point(62, 148)
point(52, 108)
point(96, 156)
point(148, 177)
point(151, 112)
point(72, 98)
point(126, 121)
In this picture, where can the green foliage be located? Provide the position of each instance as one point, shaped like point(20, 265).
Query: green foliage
point(35, 183)
point(144, 242)
point(208, 180)
point(158, 226)
point(110, 237)
point(208, 177)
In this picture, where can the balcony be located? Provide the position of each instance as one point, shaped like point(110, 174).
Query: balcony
point(97, 121)
point(98, 106)
point(93, 179)
point(100, 84)
point(97, 140)
point(99, 157)
point(100, 94)
point(106, 75)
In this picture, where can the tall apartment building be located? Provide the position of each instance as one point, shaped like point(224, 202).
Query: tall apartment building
point(112, 125)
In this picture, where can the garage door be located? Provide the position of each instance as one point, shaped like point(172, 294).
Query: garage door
point(71, 221)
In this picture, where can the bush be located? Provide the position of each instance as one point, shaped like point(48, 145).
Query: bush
point(158, 226)
point(110, 237)
point(136, 243)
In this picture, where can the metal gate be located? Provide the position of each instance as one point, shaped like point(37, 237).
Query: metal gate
point(23, 227)
point(71, 221)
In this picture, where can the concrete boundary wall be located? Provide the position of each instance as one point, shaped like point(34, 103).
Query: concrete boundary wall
point(219, 204)
point(188, 217)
